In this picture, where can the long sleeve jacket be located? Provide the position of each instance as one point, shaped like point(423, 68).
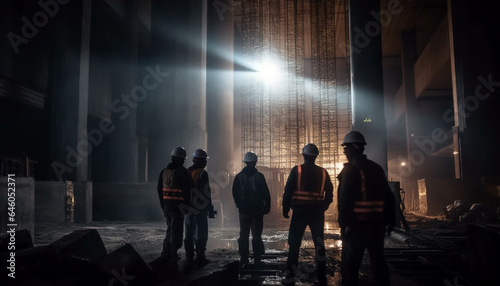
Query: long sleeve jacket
point(364, 196)
point(251, 193)
point(201, 195)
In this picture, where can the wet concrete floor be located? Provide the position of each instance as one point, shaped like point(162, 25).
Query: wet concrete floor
point(147, 238)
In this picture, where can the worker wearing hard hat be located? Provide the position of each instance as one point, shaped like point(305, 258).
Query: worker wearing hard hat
point(173, 191)
point(196, 222)
point(366, 208)
point(309, 192)
point(252, 198)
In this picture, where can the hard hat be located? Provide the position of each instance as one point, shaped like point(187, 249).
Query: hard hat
point(310, 149)
point(178, 152)
point(200, 153)
point(354, 137)
point(250, 157)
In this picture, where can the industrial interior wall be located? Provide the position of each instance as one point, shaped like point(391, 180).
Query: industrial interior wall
point(309, 101)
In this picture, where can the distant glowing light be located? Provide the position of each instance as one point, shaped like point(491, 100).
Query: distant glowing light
point(455, 152)
point(270, 73)
point(403, 163)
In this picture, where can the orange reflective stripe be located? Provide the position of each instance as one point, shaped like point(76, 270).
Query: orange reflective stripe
point(363, 184)
point(369, 203)
point(323, 182)
point(304, 193)
point(172, 194)
point(299, 176)
point(378, 210)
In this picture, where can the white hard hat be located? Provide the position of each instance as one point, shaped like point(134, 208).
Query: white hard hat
point(354, 137)
point(310, 149)
point(250, 157)
point(200, 153)
point(178, 152)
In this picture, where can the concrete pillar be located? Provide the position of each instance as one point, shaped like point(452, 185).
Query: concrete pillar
point(178, 105)
point(220, 88)
point(366, 77)
point(69, 84)
point(124, 147)
point(196, 133)
point(220, 108)
point(408, 59)
point(474, 42)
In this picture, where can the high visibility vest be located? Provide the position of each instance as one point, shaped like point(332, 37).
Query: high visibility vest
point(195, 175)
point(307, 196)
point(170, 192)
point(366, 210)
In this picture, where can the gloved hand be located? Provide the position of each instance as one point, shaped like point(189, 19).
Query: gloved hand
point(211, 212)
point(285, 213)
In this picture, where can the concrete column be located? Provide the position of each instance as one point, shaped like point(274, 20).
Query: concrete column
point(69, 94)
point(366, 77)
point(178, 105)
point(474, 42)
point(220, 108)
point(124, 147)
point(220, 88)
point(197, 77)
point(408, 59)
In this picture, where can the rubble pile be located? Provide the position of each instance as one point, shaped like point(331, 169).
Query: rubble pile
point(80, 258)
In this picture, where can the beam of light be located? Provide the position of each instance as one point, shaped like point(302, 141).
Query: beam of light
point(270, 73)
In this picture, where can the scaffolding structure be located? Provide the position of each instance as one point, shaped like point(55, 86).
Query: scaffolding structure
point(274, 118)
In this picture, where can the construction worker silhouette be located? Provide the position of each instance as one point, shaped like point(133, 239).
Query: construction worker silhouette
point(366, 212)
point(309, 192)
point(252, 198)
point(196, 222)
point(174, 191)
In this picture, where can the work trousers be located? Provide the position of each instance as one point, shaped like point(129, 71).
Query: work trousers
point(173, 237)
point(315, 219)
point(196, 232)
point(354, 242)
point(254, 223)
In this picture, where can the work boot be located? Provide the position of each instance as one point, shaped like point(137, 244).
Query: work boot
point(189, 248)
point(243, 245)
point(289, 278)
point(258, 250)
point(202, 259)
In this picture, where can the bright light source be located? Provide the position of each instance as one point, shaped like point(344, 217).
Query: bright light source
point(403, 164)
point(270, 73)
point(455, 152)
